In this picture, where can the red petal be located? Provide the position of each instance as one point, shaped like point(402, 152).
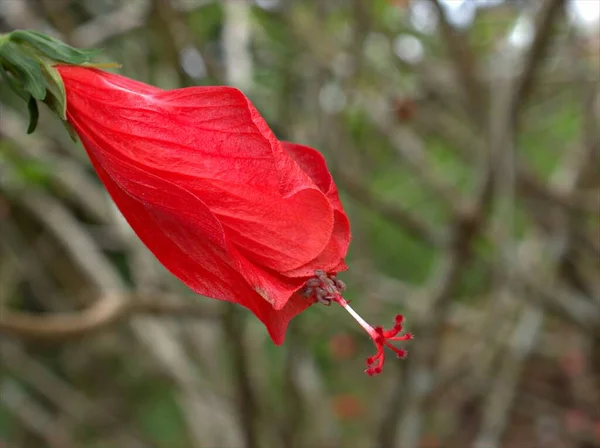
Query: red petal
point(332, 258)
point(118, 85)
point(314, 164)
point(183, 219)
point(175, 241)
point(212, 142)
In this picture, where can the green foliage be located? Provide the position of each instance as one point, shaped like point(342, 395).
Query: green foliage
point(444, 160)
point(27, 172)
point(555, 126)
point(159, 416)
point(396, 253)
point(8, 423)
point(206, 22)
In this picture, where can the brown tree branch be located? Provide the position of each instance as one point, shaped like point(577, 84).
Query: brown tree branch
point(73, 404)
point(466, 68)
point(545, 20)
point(435, 122)
point(103, 313)
point(33, 416)
point(247, 404)
point(421, 369)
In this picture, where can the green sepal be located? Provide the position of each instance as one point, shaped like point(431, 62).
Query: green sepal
point(25, 67)
point(34, 114)
point(14, 84)
point(53, 48)
point(57, 96)
point(70, 130)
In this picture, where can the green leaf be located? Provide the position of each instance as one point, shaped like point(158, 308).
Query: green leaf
point(53, 48)
point(34, 114)
point(26, 67)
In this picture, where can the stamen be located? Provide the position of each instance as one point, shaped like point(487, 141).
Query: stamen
point(327, 289)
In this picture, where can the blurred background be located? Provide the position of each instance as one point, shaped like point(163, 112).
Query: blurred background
point(464, 138)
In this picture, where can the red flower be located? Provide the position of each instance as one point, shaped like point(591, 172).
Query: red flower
point(230, 210)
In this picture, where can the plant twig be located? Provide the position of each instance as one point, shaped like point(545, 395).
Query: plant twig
point(69, 400)
point(466, 67)
point(33, 416)
point(545, 20)
point(248, 410)
point(421, 374)
point(103, 313)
